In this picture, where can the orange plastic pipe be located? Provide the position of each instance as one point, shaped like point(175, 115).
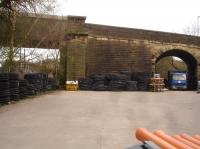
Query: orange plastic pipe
point(186, 142)
point(144, 135)
point(196, 137)
point(191, 139)
point(171, 140)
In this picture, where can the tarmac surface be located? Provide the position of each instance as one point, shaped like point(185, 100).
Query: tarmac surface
point(95, 120)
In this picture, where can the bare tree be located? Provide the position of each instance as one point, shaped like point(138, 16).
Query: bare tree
point(193, 29)
point(55, 56)
point(9, 9)
point(33, 6)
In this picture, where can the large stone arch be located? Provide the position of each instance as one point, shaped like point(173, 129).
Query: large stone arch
point(190, 59)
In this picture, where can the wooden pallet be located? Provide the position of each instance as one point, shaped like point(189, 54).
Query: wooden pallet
point(157, 84)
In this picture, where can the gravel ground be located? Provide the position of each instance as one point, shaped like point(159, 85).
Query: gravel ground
point(95, 120)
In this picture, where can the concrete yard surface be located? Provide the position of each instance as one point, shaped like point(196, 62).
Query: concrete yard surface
point(95, 120)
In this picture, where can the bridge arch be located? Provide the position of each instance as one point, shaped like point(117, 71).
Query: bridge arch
point(190, 61)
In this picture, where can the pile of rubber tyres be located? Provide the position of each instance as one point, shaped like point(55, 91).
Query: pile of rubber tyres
point(26, 89)
point(14, 86)
point(4, 88)
point(44, 79)
point(192, 82)
point(143, 80)
point(117, 81)
point(85, 84)
point(35, 80)
point(38, 80)
point(52, 84)
point(122, 81)
point(13, 89)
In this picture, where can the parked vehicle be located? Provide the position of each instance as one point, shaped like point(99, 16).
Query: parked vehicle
point(177, 80)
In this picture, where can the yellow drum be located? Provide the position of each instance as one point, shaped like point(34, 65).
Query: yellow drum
point(71, 85)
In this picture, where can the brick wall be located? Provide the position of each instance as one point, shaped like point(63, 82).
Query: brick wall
point(105, 56)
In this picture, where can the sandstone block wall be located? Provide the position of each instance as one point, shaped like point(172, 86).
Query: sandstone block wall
point(106, 56)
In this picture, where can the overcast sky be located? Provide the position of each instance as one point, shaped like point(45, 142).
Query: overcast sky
point(163, 15)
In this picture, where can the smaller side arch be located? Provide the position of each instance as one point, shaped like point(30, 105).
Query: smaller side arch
point(190, 61)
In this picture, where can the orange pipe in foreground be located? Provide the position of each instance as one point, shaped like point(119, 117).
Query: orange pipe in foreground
point(196, 137)
point(171, 140)
point(143, 135)
point(177, 137)
point(191, 139)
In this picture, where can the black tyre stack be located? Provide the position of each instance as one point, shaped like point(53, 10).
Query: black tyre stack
point(23, 88)
point(131, 86)
point(117, 81)
point(4, 88)
point(14, 86)
point(192, 82)
point(26, 89)
point(44, 80)
point(143, 80)
point(52, 84)
point(30, 90)
point(85, 84)
point(35, 79)
point(99, 82)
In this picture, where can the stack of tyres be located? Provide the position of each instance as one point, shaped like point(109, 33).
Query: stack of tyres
point(128, 74)
point(35, 79)
point(4, 88)
point(192, 82)
point(23, 88)
point(143, 80)
point(85, 84)
point(44, 80)
point(14, 86)
point(131, 86)
point(99, 82)
point(26, 89)
point(30, 90)
point(49, 84)
point(117, 81)
point(52, 84)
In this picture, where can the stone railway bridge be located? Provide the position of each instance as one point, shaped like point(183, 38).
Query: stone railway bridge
point(90, 49)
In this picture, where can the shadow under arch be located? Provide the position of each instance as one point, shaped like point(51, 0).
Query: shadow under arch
point(189, 60)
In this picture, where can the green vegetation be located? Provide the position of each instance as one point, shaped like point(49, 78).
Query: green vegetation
point(9, 10)
point(169, 63)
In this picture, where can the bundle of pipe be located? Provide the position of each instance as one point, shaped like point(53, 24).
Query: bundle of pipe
point(163, 140)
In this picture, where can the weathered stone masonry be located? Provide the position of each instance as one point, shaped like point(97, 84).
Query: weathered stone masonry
point(90, 49)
